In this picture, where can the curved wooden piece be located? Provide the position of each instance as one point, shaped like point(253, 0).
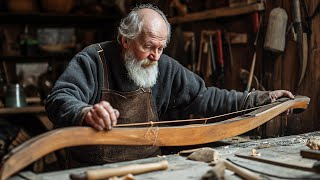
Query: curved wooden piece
point(45, 143)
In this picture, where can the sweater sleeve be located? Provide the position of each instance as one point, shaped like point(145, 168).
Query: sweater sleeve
point(74, 91)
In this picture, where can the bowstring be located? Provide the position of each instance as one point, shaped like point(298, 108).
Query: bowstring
point(189, 120)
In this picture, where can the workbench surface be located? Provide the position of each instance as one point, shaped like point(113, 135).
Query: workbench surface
point(283, 149)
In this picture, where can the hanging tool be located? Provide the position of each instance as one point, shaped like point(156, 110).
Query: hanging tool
point(198, 68)
point(219, 47)
point(258, 21)
point(208, 46)
point(309, 18)
point(206, 68)
point(227, 39)
point(212, 54)
point(190, 48)
point(301, 39)
point(276, 31)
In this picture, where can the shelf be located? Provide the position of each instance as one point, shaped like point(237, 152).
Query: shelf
point(36, 59)
point(22, 110)
point(57, 19)
point(39, 111)
point(217, 13)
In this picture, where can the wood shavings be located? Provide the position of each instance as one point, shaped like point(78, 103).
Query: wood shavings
point(255, 153)
point(313, 143)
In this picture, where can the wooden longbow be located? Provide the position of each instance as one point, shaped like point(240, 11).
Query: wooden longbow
point(51, 141)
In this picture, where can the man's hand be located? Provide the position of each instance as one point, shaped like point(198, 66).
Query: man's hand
point(102, 116)
point(274, 95)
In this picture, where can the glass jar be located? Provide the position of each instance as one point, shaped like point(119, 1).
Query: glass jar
point(14, 96)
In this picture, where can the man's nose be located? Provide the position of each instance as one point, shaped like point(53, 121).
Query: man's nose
point(155, 55)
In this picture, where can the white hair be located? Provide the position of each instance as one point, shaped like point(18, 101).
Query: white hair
point(131, 26)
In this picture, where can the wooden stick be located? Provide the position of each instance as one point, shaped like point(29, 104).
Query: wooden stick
point(311, 154)
point(246, 174)
point(267, 161)
point(253, 64)
point(120, 171)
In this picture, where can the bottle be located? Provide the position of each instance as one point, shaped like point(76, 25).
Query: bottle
point(28, 44)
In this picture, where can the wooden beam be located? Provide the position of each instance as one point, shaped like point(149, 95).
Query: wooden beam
point(217, 13)
point(22, 110)
point(311, 154)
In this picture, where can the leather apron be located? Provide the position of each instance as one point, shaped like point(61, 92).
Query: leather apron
point(134, 107)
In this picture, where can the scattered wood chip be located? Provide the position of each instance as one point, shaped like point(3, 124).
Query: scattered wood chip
point(313, 143)
point(255, 153)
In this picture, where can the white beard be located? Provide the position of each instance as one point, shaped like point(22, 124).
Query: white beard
point(143, 73)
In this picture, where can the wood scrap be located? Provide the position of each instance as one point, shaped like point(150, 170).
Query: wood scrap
point(313, 143)
point(311, 154)
point(277, 163)
point(204, 155)
point(120, 171)
point(255, 153)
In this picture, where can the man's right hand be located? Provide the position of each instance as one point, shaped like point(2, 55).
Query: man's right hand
point(102, 116)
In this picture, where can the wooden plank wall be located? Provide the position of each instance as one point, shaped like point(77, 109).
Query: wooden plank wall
point(274, 71)
point(286, 75)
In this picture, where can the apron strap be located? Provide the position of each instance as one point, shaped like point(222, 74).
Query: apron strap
point(105, 84)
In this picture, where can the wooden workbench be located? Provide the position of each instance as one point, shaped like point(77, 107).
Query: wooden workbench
point(282, 149)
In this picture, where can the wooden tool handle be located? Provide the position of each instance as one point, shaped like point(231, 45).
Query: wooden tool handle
point(120, 171)
point(246, 174)
point(311, 154)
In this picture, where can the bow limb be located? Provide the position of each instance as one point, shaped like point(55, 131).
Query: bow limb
point(51, 141)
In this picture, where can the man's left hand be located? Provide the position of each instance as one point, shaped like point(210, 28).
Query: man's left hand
point(274, 95)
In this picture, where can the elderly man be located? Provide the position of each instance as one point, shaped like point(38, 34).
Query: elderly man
point(131, 81)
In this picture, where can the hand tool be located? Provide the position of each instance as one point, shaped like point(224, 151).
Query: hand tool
point(311, 154)
point(219, 164)
point(301, 40)
point(275, 39)
point(267, 161)
point(254, 55)
point(212, 54)
point(227, 39)
point(120, 171)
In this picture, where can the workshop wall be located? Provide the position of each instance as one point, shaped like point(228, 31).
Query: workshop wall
point(272, 70)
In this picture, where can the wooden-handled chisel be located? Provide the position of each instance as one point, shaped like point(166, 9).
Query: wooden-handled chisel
point(121, 171)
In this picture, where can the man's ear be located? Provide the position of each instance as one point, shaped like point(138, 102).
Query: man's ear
point(124, 42)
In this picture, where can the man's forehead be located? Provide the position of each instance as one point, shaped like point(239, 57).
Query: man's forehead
point(150, 37)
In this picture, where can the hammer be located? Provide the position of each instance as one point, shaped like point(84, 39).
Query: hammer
point(217, 172)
